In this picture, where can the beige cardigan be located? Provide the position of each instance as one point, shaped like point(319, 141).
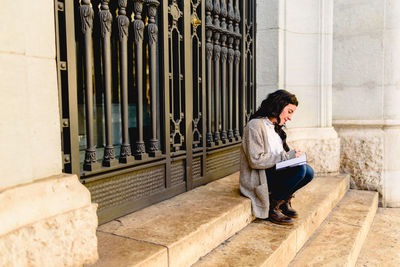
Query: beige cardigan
point(254, 159)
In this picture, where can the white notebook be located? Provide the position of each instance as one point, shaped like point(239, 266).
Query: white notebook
point(292, 162)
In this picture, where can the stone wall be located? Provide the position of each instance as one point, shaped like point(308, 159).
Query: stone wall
point(366, 93)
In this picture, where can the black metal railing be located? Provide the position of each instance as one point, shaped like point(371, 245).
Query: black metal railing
point(163, 87)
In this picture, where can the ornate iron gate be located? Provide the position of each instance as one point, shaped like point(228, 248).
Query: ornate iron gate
point(153, 95)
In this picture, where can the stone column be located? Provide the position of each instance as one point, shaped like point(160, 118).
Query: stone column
point(366, 94)
point(40, 208)
point(294, 52)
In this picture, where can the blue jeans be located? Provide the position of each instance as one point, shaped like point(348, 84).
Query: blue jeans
point(284, 183)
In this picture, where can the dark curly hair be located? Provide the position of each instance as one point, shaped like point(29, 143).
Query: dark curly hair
point(272, 107)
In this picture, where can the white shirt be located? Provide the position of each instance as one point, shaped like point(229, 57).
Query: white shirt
point(275, 145)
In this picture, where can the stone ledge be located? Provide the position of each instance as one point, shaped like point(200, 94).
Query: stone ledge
point(265, 244)
point(41, 199)
point(189, 225)
point(339, 239)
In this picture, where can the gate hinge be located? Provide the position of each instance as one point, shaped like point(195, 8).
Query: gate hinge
point(65, 123)
point(60, 6)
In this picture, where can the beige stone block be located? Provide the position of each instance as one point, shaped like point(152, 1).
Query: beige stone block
point(120, 251)
point(267, 13)
point(306, 21)
point(382, 245)
point(37, 201)
point(268, 61)
point(357, 102)
point(15, 148)
point(43, 117)
point(302, 64)
point(185, 223)
point(392, 11)
point(308, 112)
point(40, 31)
point(391, 196)
point(355, 17)
point(13, 23)
point(358, 62)
point(67, 239)
point(362, 156)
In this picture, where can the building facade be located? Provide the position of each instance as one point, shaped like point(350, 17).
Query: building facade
point(338, 57)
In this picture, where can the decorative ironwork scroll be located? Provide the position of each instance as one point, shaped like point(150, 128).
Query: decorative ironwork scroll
point(197, 74)
point(176, 78)
point(86, 13)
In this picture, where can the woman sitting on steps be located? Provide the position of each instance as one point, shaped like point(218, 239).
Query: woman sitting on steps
point(264, 145)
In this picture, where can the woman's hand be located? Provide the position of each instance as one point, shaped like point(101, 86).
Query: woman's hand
point(298, 152)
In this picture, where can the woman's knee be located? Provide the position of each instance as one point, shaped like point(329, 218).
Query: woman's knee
point(309, 172)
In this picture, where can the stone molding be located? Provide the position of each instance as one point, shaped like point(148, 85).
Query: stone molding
point(367, 123)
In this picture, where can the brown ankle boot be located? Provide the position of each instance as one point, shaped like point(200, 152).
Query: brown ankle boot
point(275, 215)
point(286, 208)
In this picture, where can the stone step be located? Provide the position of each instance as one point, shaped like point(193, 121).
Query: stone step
point(262, 243)
point(178, 231)
point(339, 239)
point(382, 246)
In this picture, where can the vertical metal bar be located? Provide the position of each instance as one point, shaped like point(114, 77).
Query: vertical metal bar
point(224, 56)
point(138, 29)
point(203, 86)
point(166, 80)
point(188, 92)
point(72, 86)
point(239, 110)
point(254, 54)
point(217, 55)
point(86, 13)
point(105, 23)
point(152, 30)
point(231, 55)
point(209, 54)
point(244, 66)
point(123, 27)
